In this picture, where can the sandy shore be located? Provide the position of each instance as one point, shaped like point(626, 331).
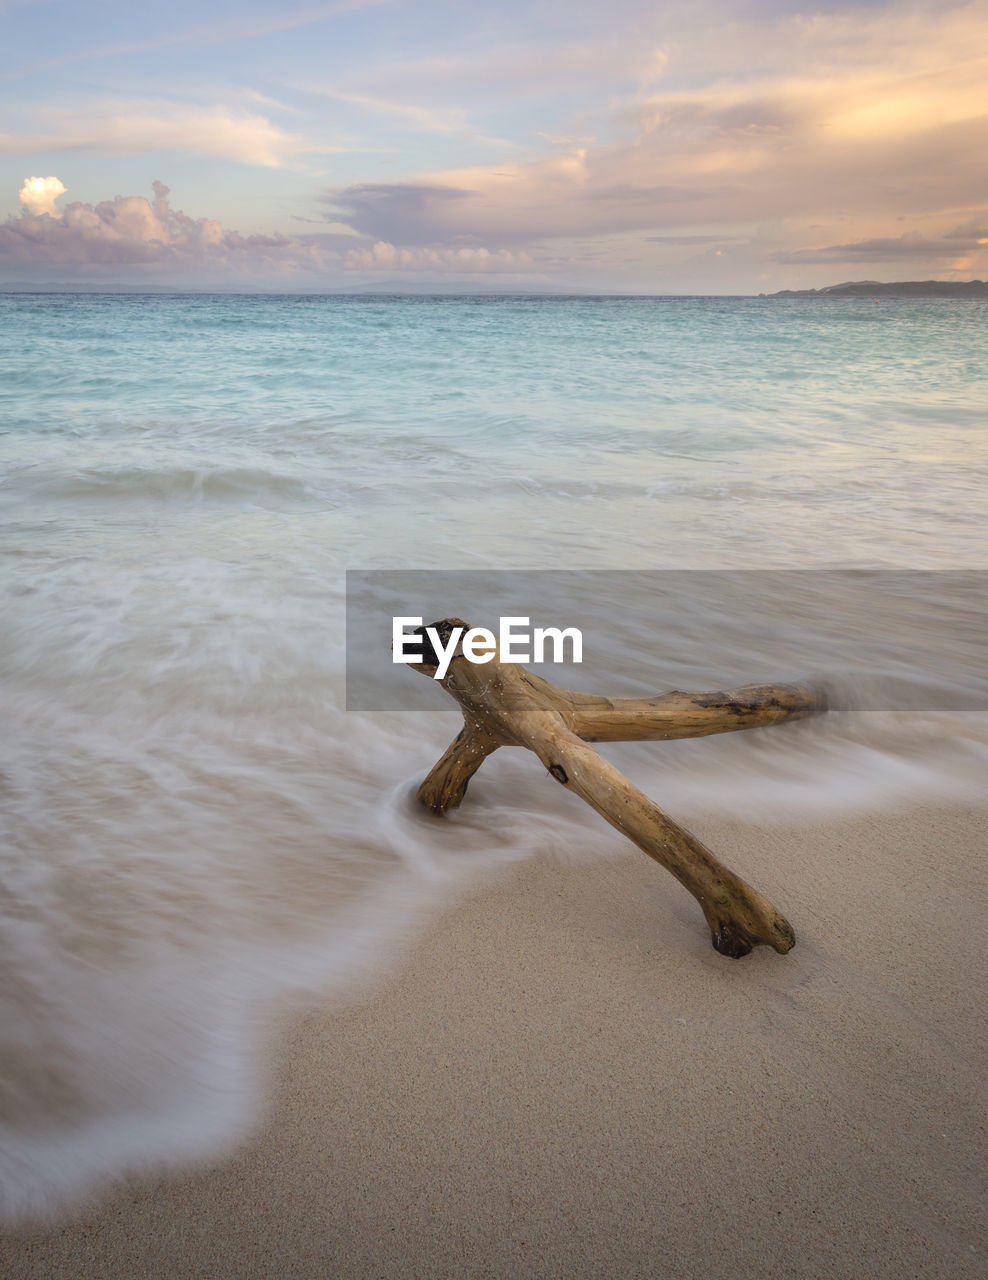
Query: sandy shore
point(565, 1080)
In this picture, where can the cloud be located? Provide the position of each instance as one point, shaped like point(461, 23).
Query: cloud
point(974, 232)
point(132, 236)
point(133, 232)
point(690, 239)
point(880, 249)
point(387, 257)
point(856, 117)
point(405, 212)
point(640, 134)
point(427, 119)
point(222, 32)
point(568, 194)
point(447, 122)
point(38, 195)
point(526, 68)
point(885, 249)
point(135, 128)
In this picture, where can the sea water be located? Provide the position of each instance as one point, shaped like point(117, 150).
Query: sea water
point(194, 826)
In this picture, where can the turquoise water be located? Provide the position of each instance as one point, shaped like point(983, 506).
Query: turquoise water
point(194, 826)
point(642, 432)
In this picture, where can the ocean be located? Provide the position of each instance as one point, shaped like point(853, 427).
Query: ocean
point(204, 824)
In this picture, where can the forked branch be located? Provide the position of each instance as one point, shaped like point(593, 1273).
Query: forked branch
point(505, 705)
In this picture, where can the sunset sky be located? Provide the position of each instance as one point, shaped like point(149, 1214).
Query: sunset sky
point(638, 147)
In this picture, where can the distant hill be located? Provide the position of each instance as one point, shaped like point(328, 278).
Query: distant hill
point(898, 289)
point(390, 288)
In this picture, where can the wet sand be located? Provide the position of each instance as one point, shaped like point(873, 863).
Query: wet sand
point(565, 1080)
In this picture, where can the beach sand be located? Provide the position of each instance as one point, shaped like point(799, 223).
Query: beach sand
point(565, 1080)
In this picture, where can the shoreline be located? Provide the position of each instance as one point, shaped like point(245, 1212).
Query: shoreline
point(564, 1079)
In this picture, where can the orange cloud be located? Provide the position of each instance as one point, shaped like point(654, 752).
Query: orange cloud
point(874, 116)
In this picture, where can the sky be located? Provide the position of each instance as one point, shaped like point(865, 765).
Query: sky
point(630, 147)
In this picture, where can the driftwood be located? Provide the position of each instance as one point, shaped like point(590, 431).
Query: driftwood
point(505, 705)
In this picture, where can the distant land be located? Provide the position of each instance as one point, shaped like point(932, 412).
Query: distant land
point(897, 289)
point(406, 288)
point(391, 288)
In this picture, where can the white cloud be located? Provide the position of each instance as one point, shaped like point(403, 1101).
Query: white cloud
point(388, 257)
point(38, 195)
point(149, 236)
point(135, 128)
